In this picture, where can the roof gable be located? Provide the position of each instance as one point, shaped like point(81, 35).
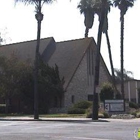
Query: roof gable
point(68, 55)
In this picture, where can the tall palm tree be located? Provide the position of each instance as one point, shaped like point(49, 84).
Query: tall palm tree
point(97, 64)
point(123, 6)
point(39, 17)
point(87, 8)
point(105, 31)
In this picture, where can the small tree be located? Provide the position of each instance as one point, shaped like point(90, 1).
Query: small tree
point(50, 87)
point(17, 83)
point(107, 92)
point(12, 72)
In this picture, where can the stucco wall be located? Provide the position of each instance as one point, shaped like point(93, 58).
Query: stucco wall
point(130, 90)
point(103, 77)
point(79, 87)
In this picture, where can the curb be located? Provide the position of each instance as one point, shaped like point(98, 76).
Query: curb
point(84, 120)
point(53, 119)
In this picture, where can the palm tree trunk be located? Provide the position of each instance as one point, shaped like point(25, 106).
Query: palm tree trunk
point(111, 62)
point(86, 32)
point(97, 63)
point(122, 61)
point(36, 112)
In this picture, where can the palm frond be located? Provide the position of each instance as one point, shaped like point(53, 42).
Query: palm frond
point(85, 5)
point(123, 5)
point(34, 1)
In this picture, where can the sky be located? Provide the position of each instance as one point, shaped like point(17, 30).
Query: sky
point(63, 21)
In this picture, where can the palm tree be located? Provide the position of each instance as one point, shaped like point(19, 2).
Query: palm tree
point(123, 6)
point(127, 75)
point(39, 17)
point(105, 31)
point(97, 64)
point(87, 8)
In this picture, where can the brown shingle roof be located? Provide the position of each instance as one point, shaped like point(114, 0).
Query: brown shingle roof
point(25, 50)
point(68, 55)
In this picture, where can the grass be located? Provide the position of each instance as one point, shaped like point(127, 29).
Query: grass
point(51, 115)
point(14, 114)
point(64, 115)
point(48, 115)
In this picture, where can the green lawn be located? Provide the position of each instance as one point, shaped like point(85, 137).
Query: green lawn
point(49, 115)
point(64, 115)
point(57, 115)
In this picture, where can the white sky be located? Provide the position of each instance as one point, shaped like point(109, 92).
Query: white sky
point(62, 20)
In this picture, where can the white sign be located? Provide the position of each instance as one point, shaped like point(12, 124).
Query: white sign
point(114, 105)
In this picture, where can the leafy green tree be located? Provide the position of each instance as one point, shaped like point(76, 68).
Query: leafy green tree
point(39, 17)
point(123, 6)
point(107, 92)
point(17, 83)
point(51, 90)
point(118, 96)
point(50, 87)
point(11, 73)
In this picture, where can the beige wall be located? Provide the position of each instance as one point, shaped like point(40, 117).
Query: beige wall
point(78, 85)
point(130, 90)
point(81, 84)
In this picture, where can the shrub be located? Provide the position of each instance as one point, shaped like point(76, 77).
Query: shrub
point(83, 105)
point(134, 113)
point(74, 110)
point(89, 112)
point(138, 115)
point(118, 96)
point(2, 109)
point(106, 115)
point(107, 92)
point(80, 107)
point(133, 105)
point(100, 115)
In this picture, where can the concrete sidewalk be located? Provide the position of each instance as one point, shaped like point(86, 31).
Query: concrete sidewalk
point(28, 118)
